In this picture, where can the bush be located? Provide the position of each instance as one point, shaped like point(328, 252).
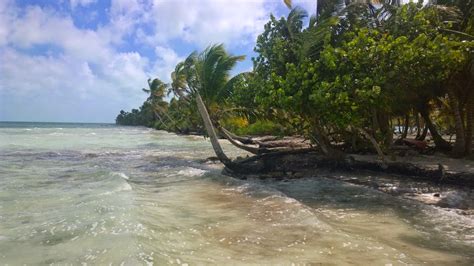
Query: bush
point(261, 127)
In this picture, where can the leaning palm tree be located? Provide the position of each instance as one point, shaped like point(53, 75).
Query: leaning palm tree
point(204, 78)
point(157, 91)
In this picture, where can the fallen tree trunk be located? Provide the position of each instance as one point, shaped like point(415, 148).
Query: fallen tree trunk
point(243, 140)
point(292, 142)
point(265, 144)
point(236, 143)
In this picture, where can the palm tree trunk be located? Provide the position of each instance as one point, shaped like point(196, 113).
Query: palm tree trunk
point(437, 138)
point(211, 131)
point(244, 140)
point(159, 118)
point(236, 143)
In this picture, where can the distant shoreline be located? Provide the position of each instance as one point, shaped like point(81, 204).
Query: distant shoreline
point(47, 122)
point(25, 124)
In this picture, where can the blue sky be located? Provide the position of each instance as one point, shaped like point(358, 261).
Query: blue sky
point(85, 60)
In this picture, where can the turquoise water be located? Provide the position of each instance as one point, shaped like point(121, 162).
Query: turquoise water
point(100, 194)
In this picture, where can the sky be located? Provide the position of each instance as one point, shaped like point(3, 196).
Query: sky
point(85, 60)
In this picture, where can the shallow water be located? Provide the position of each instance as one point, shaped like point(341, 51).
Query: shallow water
point(104, 194)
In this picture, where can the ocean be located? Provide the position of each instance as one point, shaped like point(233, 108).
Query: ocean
point(101, 193)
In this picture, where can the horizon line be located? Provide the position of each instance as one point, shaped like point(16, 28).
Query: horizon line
point(61, 122)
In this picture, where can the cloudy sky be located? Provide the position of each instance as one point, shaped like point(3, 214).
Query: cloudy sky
point(85, 60)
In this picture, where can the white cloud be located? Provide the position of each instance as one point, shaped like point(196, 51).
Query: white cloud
point(85, 64)
point(55, 80)
point(126, 73)
point(65, 75)
point(88, 71)
point(125, 15)
point(205, 22)
point(166, 61)
point(45, 27)
point(7, 15)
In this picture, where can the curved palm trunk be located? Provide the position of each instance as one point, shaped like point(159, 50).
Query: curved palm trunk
point(437, 138)
point(211, 131)
point(159, 118)
point(244, 140)
point(374, 143)
point(236, 143)
point(169, 117)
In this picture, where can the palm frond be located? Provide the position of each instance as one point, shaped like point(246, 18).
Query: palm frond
point(212, 69)
point(228, 89)
point(295, 20)
point(316, 37)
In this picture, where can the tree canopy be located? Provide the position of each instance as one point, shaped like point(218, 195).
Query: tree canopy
point(342, 80)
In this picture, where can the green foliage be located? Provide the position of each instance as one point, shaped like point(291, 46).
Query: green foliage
point(137, 117)
point(359, 69)
point(261, 128)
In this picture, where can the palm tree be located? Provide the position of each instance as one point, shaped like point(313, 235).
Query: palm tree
point(157, 90)
point(204, 78)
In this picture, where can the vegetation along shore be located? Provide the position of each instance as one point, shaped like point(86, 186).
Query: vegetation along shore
point(390, 80)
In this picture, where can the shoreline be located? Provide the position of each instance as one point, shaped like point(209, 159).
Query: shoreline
point(297, 164)
point(453, 190)
point(437, 168)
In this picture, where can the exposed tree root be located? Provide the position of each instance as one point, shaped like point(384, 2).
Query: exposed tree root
point(307, 162)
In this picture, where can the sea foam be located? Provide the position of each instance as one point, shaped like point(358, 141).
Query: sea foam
point(122, 175)
point(190, 171)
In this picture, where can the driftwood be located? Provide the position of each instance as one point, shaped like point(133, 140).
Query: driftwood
point(266, 144)
point(290, 142)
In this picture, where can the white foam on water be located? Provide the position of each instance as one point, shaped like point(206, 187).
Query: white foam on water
point(125, 187)
point(56, 134)
point(122, 187)
point(122, 175)
point(190, 171)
